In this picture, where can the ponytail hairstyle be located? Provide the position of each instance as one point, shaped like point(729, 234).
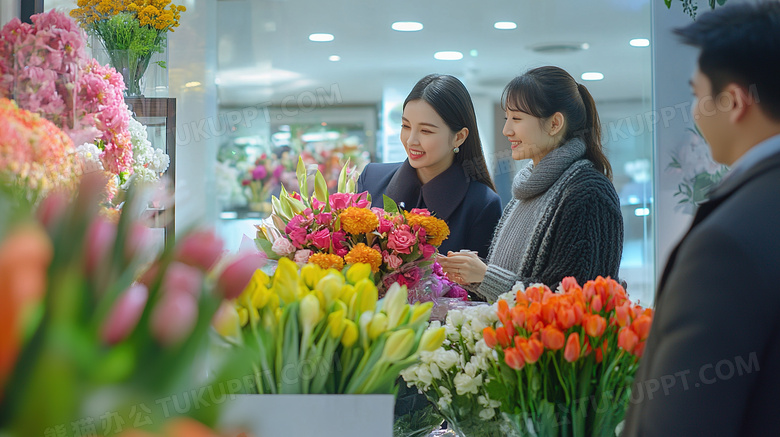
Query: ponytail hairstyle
point(543, 91)
point(450, 99)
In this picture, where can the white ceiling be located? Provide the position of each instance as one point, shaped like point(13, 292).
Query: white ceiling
point(265, 55)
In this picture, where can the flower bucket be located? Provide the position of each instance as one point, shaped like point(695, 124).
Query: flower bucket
point(302, 415)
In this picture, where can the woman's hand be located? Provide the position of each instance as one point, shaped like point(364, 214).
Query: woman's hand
point(463, 267)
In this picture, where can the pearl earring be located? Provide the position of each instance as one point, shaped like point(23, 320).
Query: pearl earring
point(456, 150)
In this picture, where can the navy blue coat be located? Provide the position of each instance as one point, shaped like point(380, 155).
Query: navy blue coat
point(469, 207)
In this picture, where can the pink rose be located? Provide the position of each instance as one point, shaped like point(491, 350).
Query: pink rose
point(339, 201)
point(392, 260)
point(320, 239)
point(413, 276)
point(298, 237)
point(282, 247)
point(421, 235)
point(324, 218)
point(339, 238)
point(419, 211)
point(402, 241)
point(428, 250)
point(302, 256)
point(385, 226)
point(316, 204)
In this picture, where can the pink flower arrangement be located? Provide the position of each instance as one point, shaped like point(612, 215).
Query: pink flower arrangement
point(44, 67)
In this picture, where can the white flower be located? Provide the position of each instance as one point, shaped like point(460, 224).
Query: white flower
point(455, 318)
point(445, 359)
point(446, 398)
point(518, 287)
point(435, 372)
point(424, 377)
point(487, 413)
point(426, 357)
point(410, 375)
point(467, 384)
point(470, 368)
point(89, 157)
point(451, 333)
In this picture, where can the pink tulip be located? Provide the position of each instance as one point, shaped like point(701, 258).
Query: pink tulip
point(181, 278)
point(139, 241)
point(201, 249)
point(100, 239)
point(52, 207)
point(127, 310)
point(173, 318)
point(236, 276)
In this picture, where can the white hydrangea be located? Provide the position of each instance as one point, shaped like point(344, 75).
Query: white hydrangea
point(148, 161)
point(229, 191)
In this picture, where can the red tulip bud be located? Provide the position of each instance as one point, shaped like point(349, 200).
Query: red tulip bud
point(201, 249)
point(127, 310)
point(182, 278)
point(236, 276)
point(174, 317)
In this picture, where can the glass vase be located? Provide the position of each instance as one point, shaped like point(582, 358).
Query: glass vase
point(145, 75)
point(472, 425)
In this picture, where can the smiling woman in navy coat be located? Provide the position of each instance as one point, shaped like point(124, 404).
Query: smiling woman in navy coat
point(445, 171)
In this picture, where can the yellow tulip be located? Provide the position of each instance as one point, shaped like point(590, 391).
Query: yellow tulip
point(350, 335)
point(431, 339)
point(377, 326)
point(310, 314)
point(398, 346)
point(227, 320)
point(331, 287)
point(421, 312)
point(286, 280)
point(358, 272)
point(336, 323)
point(395, 306)
point(261, 297)
point(347, 291)
point(243, 316)
point(367, 296)
point(311, 274)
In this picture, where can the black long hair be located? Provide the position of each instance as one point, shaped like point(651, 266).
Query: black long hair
point(450, 99)
point(543, 91)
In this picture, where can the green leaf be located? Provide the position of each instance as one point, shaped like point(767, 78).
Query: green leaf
point(389, 204)
point(721, 2)
point(343, 177)
point(320, 188)
point(266, 247)
point(300, 173)
point(668, 4)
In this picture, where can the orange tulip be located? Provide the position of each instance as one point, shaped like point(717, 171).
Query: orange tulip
point(518, 316)
point(642, 326)
point(514, 359)
point(594, 325)
point(503, 337)
point(565, 317)
point(589, 290)
point(601, 351)
point(552, 338)
point(627, 339)
point(503, 312)
point(548, 313)
point(531, 349)
point(521, 299)
point(569, 283)
point(534, 294)
point(489, 334)
point(533, 314)
point(572, 351)
point(579, 311)
point(596, 303)
point(622, 314)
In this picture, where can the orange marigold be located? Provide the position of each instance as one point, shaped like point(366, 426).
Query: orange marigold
point(364, 254)
point(358, 220)
point(327, 261)
point(436, 230)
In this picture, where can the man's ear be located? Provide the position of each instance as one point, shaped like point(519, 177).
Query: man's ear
point(738, 98)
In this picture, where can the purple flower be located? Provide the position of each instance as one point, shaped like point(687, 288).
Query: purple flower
point(259, 173)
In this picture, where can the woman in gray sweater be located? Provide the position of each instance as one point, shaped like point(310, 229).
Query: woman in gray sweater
point(564, 218)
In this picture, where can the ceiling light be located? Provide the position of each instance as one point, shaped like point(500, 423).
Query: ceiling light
point(592, 75)
point(407, 26)
point(559, 48)
point(474, 53)
point(320, 37)
point(639, 42)
point(448, 56)
point(334, 58)
point(191, 84)
point(505, 25)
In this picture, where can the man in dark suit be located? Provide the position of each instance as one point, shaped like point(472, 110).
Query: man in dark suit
point(711, 366)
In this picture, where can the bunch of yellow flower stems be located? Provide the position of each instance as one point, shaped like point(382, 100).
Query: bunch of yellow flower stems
point(318, 331)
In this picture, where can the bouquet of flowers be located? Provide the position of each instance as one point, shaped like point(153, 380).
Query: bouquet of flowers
point(315, 330)
point(131, 31)
point(333, 230)
point(454, 376)
point(95, 327)
point(566, 360)
point(35, 155)
point(44, 67)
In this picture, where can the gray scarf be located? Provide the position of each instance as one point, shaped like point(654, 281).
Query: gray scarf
point(532, 181)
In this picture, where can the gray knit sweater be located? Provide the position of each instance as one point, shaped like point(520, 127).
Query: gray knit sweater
point(564, 220)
